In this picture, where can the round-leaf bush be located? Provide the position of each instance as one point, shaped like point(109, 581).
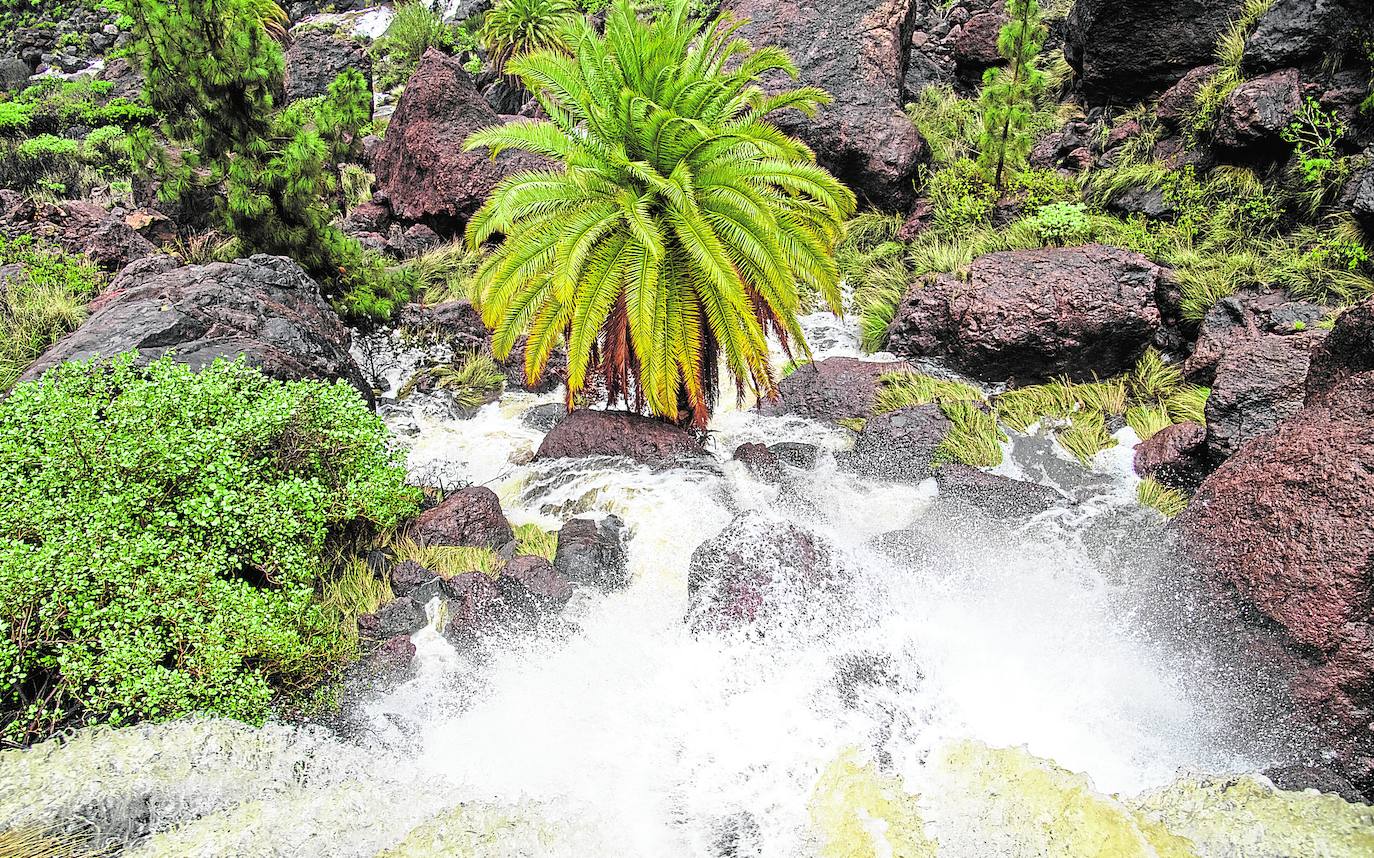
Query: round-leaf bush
point(164, 535)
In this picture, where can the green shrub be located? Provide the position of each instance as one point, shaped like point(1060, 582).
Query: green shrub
point(15, 118)
point(45, 165)
point(165, 539)
point(415, 29)
point(1315, 133)
point(949, 124)
point(46, 302)
point(1062, 224)
point(514, 28)
point(55, 105)
point(962, 198)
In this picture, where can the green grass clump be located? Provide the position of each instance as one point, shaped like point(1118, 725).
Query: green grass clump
point(445, 273)
point(37, 308)
point(950, 125)
point(472, 379)
point(165, 539)
point(1148, 421)
point(415, 29)
point(352, 592)
point(1086, 435)
point(447, 561)
point(973, 438)
point(904, 389)
point(534, 540)
point(1157, 496)
point(1230, 55)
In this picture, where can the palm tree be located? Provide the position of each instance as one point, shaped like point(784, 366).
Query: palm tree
point(680, 226)
point(515, 27)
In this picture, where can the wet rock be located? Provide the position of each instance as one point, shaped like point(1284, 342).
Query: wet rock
point(1294, 31)
point(1287, 526)
point(264, 308)
point(592, 553)
point(760, 461)
point(899, 445)
point(392, 655)
point(421, 165)
point(401, 616)
point(754, 565)
point(455, 323)
point(1259, 382)
point(1257, 111)
point(1303, 776)
point(1036, 314)
point(555, 372)
point(995, 494)
point(318, 54)
point(1176, 455)
point(368, 217)
point(1362, 201)
point(538, 578)
point(857, 51)
point(475, 606)
point(833, 389)
point(796, 454)
point(1141, 200)
point(1178, 104)
point(585, 433)
point(408, 576)
point(1125, 51)
point(470, 516)
point(542, 418)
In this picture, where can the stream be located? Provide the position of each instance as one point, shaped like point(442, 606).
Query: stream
point(1044, 686)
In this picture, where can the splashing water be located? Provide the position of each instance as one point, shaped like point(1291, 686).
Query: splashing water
point(872, 718)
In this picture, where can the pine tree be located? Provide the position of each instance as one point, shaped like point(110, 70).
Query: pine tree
point(214, 73)
point(1010, 92)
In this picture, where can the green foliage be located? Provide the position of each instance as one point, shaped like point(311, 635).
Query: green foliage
point(471, 379)
point(1230, 55)
point(164, 538)
point(213, 72)
point(676, 234)
point(973, 438)
point(356, 185)
point(1315, 133)
point(447, 561)
point(415, 29)
point(531, 539)
point(1010, 93)
point(514, 28)
point(351, 593)
point(1062, 224)
point(37, 308)
point(962, 198)
point(950, 125)
point(54, 105)
point(904, 389)
point(15, 118)
point(1157, 496)
point(1036, 189)
point(445, 273)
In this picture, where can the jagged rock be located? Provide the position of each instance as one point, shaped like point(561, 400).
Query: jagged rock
point(976, 48)
point(899, 445)
point(1259, 382)
point(995, 494)
point(454, 322)
point(80, 227)
point(476, 606)
point(754, 565)
point(1246, 315)
point(1347, 350)
point(1362, 201)
point(585, 432)
point(796, 454)
point(542, 418)
point(592, 553)
point(857, 51)
point(470, 516)
point(1287, 525)
point(421, 166)
point(760, 462)
point(392, 655)
point(1150, 202)
point(401, 616)
point(538, 577)
point(318, 54)
point(264, 308)
point(408, 576)
point(1125, 51)
point(832, 389)
point(14, 74)
point(1178, 104)
point(1258, 110)
point(125, 77)
point(1176, 455)
point(1035, 314)
point(1294, 31)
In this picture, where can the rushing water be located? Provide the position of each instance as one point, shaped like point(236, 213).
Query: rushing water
point(622, 733)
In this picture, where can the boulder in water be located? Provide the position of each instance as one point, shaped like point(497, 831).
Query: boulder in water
point(475, 605)
point(591, 553)
point(539, 580)
point(995, 494)
point(833, 389)
point(1175, 456)
point(899, 445)
point(401, 616)
point(470, 516)
point(753, 565)
point(409, 576)
point(760, 461)
point(585, 432)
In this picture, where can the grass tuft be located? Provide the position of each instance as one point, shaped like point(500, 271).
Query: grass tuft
point(974, 438)
point(903, 389)
point(1157, 496)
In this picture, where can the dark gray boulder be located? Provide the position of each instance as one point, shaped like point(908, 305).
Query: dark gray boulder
point(1295, 31)
point(898, 446)
point(833, 389)
point(318, 54)
point(995, 494)
point(1260, 382)
point(592, 553)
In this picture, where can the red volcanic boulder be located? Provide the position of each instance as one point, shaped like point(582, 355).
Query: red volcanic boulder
point(537, 577)
point(585, 432)
point(1347, 350)
point(856, 50)
point(1258, 110)
point(1032, 315)
point(1287, 525)
point(470, 516)
point(1259, 382)
point(475, 606)
point(833, 389)
point(755, 565)
point(1178, 104)
point(421, 166)
point(976, 48)
point(1176, 455)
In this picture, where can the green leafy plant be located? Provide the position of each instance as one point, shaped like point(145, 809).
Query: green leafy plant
point(513, 28)
point(1062, 224)
point(1315, 133)
point(962, 197)
point(415, 29)
point(42, 303)
point(681, 223)
point(1010, 92)
point(164, 539)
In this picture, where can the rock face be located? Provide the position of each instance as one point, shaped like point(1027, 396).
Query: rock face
point(1035, 314)
point(470, 516)
point(592, 553)
point(1348, 349)
point(1294, 31)
point(1259, 383)
point(80, 227)
point(421, 166)
point(976, 48)
point(1125, 51)
point(1258, 110)
point(264, 308)
point(584, 433)
point(833, 389)
point(899, 445)
point(318, 54)
point(1288, 525)
point(1176, 455)
point(755, 565)
point(994, 494)
point(1245, 316)
point(857, 51)
point(1362, 202)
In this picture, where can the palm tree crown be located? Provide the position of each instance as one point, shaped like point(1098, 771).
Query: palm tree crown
point(682, 226)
